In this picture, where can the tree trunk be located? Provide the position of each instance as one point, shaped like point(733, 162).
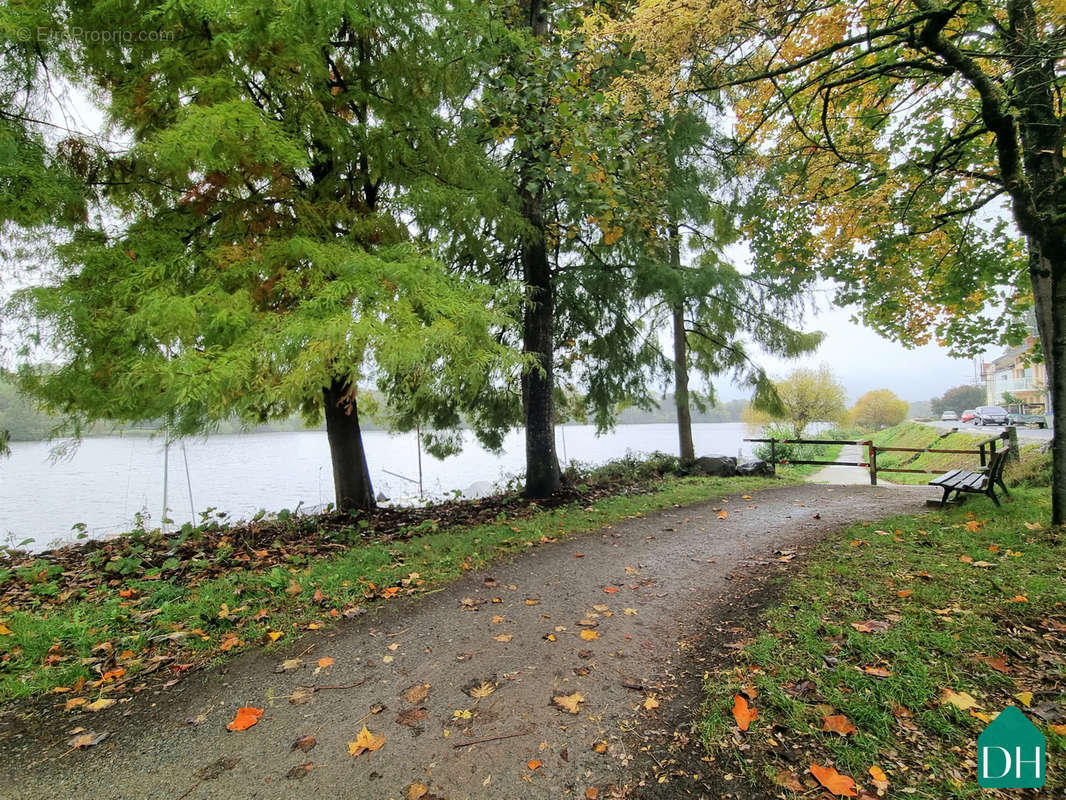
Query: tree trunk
point(1040, 280)
point(542, 464)
point(1057, 381)
point(681, 402)
point(351, 478)
point(538, 404)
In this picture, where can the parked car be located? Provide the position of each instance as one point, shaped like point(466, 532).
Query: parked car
point(990, 415)
point(1017, 418)
point(968, 415)
point(948, 416)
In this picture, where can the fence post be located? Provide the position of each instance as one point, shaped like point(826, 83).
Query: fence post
point(873, 462)
point(1011, 435)
point(981, 450)
point(773, 453)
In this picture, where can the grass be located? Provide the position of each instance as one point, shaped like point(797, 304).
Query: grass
point(954, 588)
point(912, 434)
point(156, 620)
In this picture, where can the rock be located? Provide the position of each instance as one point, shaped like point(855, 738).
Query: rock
point(756, 467)
point(479, 489)
point(717, 466)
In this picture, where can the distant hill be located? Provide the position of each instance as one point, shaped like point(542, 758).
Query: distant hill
point(723, 412)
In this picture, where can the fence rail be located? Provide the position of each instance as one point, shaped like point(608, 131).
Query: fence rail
point(985, 450)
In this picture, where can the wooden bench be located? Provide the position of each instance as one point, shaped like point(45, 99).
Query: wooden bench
point(981, 482)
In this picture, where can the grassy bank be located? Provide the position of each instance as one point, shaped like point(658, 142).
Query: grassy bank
point(93, 622)
point(908, 636)
point(912, 434)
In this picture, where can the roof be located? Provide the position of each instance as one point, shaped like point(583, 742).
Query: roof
point(1009, 357)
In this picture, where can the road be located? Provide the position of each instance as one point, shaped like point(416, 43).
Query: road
point(1031, 434)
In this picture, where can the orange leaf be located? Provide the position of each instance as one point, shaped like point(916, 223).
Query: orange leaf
point(973, 526)
point(113, 674)
point(325, 662)
point(275, 635)
point(533, 764)
point(840, 785)
point(877, 672)
point(1059, 729)
point(905, 593)
point(723, 514)
point(610, 589)
point(880, 778)
point(246, 718)
point(588, 635)
point(838, 723)
point(998, 663)
point(366, 741)
point(742, 712)
point(966, 559)
point(592, 793)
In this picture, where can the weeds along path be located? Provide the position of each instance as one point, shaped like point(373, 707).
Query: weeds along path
point(526, 681)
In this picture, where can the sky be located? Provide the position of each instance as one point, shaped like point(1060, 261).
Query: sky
point(864, 361)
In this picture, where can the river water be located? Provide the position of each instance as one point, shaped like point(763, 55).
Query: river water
point(110, 479)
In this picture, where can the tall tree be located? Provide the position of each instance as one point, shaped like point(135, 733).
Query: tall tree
point(900, 132)
point(262, 262)
point(958, 399)
point(878, 409)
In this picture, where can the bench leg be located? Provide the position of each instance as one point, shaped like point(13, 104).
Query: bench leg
point(944, 499)
point(992, 493)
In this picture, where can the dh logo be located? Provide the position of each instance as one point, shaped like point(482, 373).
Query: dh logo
point(1011, 753)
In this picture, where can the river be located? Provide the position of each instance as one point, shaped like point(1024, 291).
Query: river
point(110, 479)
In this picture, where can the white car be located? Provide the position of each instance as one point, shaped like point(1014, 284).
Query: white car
point(949, 416)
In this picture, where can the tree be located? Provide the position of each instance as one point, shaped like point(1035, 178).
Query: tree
point(898, 133)
point(810, 395)
point(879, 409)
point(262, 263)
point(959, 399)
point(714, 310)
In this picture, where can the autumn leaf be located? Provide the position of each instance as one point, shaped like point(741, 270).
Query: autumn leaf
point(870, 626)
point(973, 526)
point(650, 703)
point(325, 662)
point(503, 637)
point(838, 723)
point(101, 704)
point(985, 718)
point(877, 672)
point(998, 663)
point(74, 702)
point(723, 514)
point(1025, 698)
point(840, 785)
point(366, 741)
point(87, 739)
point(533, 764)
point(275, 635)
point(1034, 526)
point(961, 700)
point(497, 619)
point(4, 630)
point(304, 743)
point(1059, 729)
point(417, 791)
point(588, 635)
point(629, 612)
point(880, 779)
point(417, 693)
point(481, 690)
point(247, 716)
point(904, 593)
point(592, 793)
point(743, 713)
point(610, 589)
point(570, 702)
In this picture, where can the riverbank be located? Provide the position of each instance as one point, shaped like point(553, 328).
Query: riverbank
point(90, 620)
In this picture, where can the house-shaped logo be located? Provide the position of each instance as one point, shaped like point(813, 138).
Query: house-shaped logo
point(1011, 753)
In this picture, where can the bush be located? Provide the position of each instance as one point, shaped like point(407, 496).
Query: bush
point(1033, 471)
point(631, 466)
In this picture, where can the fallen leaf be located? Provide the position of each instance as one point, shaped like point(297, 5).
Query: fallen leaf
point(4, 630)
point(984, 564)
point(1025, 698)
point(601, 608)
point(366, 741)
point(840, 785)
point(417, 791)
point(301, 696)
point(532, 601)
point(880, 779)
point(599, 747)
point(300, 770)
point(88, 739)
point(588, 635)
point(650, 703)
point(870, 626)
point(629, 612)
point(1019, 598)
point(275, 635)
point(304, 743)
point(961, 700)
point(973, 526)
point(1034, 526)
point(482, 690)
point(610, 589)
point(533, 764)
point(101, 704)
point(592, 793)
point(289, 664)
point(966, 559)
point(904, 593)
point(877, 672)
point(504, 637)
point(497, 619)
point(838, 723)
point(570, 702)
point(998, 663)
point(417, 693)
point(723, 514)
point(411, 717)
point(247, 716)
point(985, 718)
point(325, 662)
point(1059, 729)
point(74, 702)
point(742, 712)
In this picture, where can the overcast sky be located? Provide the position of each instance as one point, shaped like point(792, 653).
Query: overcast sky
point(864, 361)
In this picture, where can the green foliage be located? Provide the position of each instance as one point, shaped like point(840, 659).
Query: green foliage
point(958, 399)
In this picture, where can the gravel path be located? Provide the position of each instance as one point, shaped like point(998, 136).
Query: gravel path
point(636, 586)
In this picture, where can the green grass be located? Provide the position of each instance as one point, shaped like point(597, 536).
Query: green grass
point(45, 648)
point(954, 612)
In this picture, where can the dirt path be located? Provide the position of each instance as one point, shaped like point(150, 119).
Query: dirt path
point(659, 577)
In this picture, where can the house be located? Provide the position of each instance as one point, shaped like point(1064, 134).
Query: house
point(1013, 374)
